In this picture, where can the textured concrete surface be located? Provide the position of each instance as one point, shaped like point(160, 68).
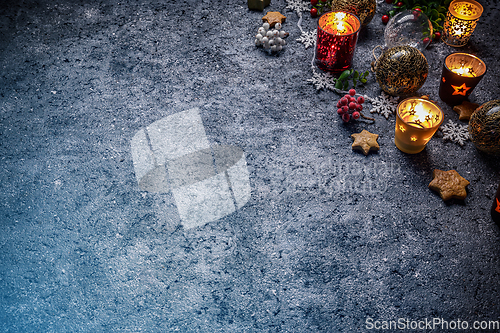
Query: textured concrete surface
point(328, 238)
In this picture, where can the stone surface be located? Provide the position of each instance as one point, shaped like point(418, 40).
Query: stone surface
point(329, 237)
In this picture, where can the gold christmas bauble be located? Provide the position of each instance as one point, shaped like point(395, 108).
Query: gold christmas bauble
point(484, 127)
point(363, 9)
point(401, 70)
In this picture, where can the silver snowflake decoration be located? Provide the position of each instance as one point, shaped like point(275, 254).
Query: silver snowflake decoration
point(455, 132)
point(298, 5)
point(307, 38)
point(322, 80)
point(384, 105)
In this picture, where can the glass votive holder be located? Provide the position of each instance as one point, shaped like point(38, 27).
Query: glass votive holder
point(337, 36)
point(461, 74)
point(416, 122)
point(461, 21)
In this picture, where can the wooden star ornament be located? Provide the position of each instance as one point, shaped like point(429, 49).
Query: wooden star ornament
point(365, 141)
point(465, 110)
point(274, 17)
point(449, 184)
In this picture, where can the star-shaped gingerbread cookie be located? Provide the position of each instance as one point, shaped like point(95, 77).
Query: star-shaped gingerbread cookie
point(274, 17)
point(449, 184)
point(465, 110)
point(365, 141)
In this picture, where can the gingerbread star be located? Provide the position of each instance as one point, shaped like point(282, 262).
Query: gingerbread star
point(274, 17)
point(449, 184)
point(365, 141)
point(465, 110)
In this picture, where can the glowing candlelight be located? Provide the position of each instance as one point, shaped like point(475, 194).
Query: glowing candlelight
point(461, 73)
point(467, 72)
point(461, 21)
point(417, 121)
point(336, 41)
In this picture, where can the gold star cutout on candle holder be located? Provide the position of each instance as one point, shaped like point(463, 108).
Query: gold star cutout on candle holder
point(498, 205)
point(274, 17)
point(365, 141)
point(465, 110)
point(460, 90)
point(449, 184)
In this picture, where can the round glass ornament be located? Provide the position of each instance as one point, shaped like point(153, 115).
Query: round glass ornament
point(401, 70)
point(410, 27)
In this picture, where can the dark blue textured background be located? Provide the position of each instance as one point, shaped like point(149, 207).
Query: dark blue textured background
point(82, 249)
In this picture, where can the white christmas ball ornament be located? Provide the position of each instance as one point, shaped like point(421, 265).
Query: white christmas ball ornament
point(273, 48)
point(279, 48)
point(283, 42)
point(278, 40)
point(266, 45)
point(259, 36)
point(257, 42)
point(261, 31)
point(277, 26)
point(269, 33)
point(265, 40)
point(266, 26)
point(271, 42)
point(276, 33)
point(282, 34)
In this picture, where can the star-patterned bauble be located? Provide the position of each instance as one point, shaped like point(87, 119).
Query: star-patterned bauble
point(484, 127)
point(401, 70)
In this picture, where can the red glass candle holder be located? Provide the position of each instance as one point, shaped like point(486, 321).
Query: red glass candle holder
point(461, 74)
point(336, 41)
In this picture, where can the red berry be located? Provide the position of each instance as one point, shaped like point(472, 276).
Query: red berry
point(355, 115)
point(352, 105)
point(340, 112)
point(314, 2)
point(346, 117)
point(437, 35)
point(385, 19)
point(399, 4)
point(347, 97)
point(345, 109)
point(426, 40)
point(361, 99)
point(352, 92)
point(344, 101)
point(388, 1)
point(314, 12)
point(418, 10)
point(359, 107)
point(338, 104)
point(352, 99)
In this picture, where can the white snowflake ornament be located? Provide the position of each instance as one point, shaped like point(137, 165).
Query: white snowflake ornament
point(455, 132)
point(298, 5)
point(384, 105)
point(322, 80)
point(307, 38)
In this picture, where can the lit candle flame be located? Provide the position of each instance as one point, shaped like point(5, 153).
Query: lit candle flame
point(463, 71)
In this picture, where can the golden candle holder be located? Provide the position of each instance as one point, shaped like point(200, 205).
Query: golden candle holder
point(461, 21)
point(416, 122)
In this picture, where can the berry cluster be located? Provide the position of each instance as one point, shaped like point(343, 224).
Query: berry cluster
point(350, 107)
point(271, 38)
point(320, 7)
